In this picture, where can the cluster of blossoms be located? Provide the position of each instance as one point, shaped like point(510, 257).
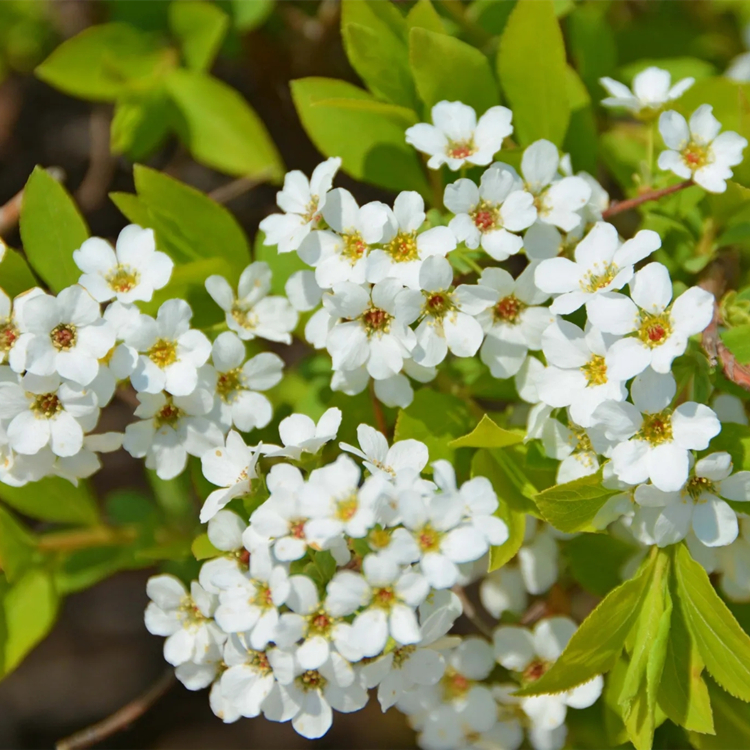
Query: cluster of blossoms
point(340, 581)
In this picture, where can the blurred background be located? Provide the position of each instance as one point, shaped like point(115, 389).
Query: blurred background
point(99, 656)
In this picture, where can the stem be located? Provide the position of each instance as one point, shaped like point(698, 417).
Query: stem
point(470, 612)
point(652, 195)
point(238, 187)
point(121, 718)
point(377, 408)
point(96, 536)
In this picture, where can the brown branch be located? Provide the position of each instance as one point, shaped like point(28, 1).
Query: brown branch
point(377, 407)
point(652, 195)
point(11, 211)
point(236, 188)
point(471, 614)
point(121, 718)
point(92, 192)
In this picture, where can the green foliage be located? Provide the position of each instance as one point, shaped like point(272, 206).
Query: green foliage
point(17, 546)
point(595, 561)
point(200, 28)
point(53, 499)
point(344, 120)
point(435, 58)
point(51, 229)
point(572, 506)
point(732, 720)
point(737, 340)
point(424, 16)
point(487, 434)
point(531, 67)
point(202, 548)
point(141, 123)
point(15, 273)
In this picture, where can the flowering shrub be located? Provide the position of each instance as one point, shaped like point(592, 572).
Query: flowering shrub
point(479, 389)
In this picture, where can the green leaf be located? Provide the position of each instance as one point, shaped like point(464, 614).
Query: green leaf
point(596, 645)
point(141, 124)
point(531, 67)
point(202, 548)
point(53, 499)
point(30, 608)
point(732, 720)
point(592, 44)
point(250, 15)
point(51, 229)
point(221, 130)
point(573, 505)
point(174, 496)
point(735, 440)
point(424, 16)
point(15, 274)
point(17, 546)
point(104, 62)
point(488, 435)
point(483, 465)
point(581, 139)
point(344, 120)
point(737, 340)
point(188, 224)
point(722, 644)
point(200, 28)
point(84, 568)
point(520, 490)
point(683, 695)
point(595, 560)
point(383, 18)
point(651, 632)
point(435, 59)
point(615, 727)
point(435, 419)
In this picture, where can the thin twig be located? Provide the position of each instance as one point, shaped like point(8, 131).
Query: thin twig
point(470, 612)
point(534, 613)
point(377, 408)
point(653, 195)
point(92, 192)
point(11, 211)
point(236, 188)
point(121, 718)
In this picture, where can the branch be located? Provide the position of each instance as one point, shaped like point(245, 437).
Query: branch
point(92, 191)
point(121, 718)
point(11, 211)
point(471, 614)
point(238, 187)
point(83, 538)
point(652, 195)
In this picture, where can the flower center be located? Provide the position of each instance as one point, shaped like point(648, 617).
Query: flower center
point(401, 654)
point(428, 539)
point(191, 615)
point(379, 538)
point(535, 670)
point(63, 336)
point(122, 278)
point(8, 334)
point(311, 680)
point(583, 442)
point(163, 353)
point(508, 310)
point(596, 278)
point(403, 247)
point(486, 216)
point(654, 329)
point(263, 597)
point(461, 149)
point(297, 529)
point(437, 304)
point(657, 428)
point(46, 405)
point(228, 383)
point(311, 210)
point(169, 415)
point(697, 486)
point(345, 509)
point(354, 247)
point(384, 597)
point(455, 685)
point(320, 623)
point(259, 661)
point(695, 156)
point(245, 318)
point(595, 370)
point(376, 320)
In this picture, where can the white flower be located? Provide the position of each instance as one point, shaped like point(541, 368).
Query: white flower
point(236, 383)
point(86, 462)
point(601, 265)
point(301, 201)
point(170, 352)
point(10, 328)
point(447, 314)
point(403, 248)
point(739, 68)
point(247, 680)
point(655, 440)
point(557, 200)
point(253, 313)
point(303, 291)
point(661, 330)
point(371, 331)
point(300, 434)
point(170, 428)
point(308, 695)
point(576, 448)
point(381, 460)
point(698, 504)
point(697, 150)
point(652, 89)
point(129, 273)
point(340, 253)
point(491, 214)
point(185, 618)
point(43, 411)
point(576, 374)
point(456, 137)
point(503, 590)
point(64, 334)
point(514, 323)
point(384, 598)
point(531, 654)
point(231, 467)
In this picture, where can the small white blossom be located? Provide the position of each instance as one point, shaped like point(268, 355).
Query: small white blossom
point(299, 434)
point(381, 460)
point(652, 89)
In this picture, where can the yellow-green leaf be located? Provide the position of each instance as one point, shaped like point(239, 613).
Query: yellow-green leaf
point(487, 434)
